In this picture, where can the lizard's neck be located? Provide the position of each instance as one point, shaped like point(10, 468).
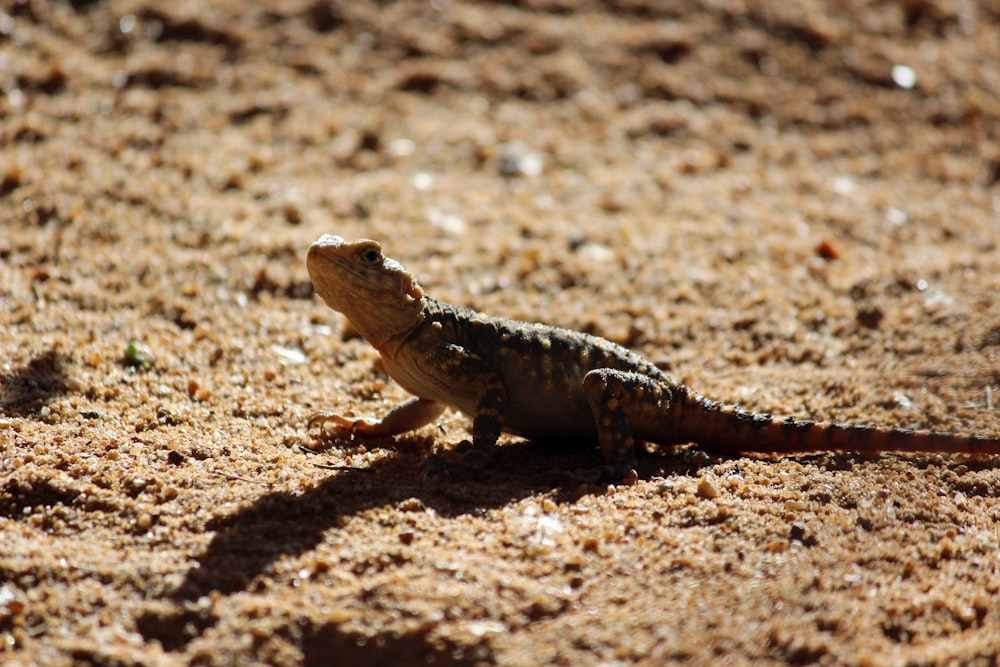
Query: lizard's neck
point(388, 341)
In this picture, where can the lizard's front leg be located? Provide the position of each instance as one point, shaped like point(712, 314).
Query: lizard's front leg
point(458, 371)
point(487, 423)
point(623, 403)
point(405, 417)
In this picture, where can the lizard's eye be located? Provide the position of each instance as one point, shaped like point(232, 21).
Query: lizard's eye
point(370, 255)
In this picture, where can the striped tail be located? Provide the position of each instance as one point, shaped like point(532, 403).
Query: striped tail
point(725, 428)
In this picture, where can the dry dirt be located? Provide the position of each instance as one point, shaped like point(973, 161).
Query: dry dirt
point(793, 206)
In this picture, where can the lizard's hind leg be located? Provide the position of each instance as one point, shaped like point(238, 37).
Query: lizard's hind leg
point(625, 404)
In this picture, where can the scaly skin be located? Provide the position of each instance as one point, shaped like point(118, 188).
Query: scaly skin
point(540, 382)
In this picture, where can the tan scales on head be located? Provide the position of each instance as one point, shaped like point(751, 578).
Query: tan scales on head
point(376, 293)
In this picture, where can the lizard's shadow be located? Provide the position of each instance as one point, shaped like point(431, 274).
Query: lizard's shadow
point(283, 524)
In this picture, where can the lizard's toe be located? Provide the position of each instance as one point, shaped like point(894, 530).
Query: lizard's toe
point(329, 424)
point(464, 458)
point(611, 473)
point(317, 418)
point(476, 459)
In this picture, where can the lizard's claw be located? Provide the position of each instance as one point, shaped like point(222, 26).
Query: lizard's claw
point(343, 427)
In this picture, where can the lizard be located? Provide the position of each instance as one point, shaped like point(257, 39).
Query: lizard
point(544, 382)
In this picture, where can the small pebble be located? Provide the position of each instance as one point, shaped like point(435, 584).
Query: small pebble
point(516, 159)
point(707, 489)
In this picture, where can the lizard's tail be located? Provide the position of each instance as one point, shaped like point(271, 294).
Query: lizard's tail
point(729, 429)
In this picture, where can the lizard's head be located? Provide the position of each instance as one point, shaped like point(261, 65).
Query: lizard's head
point(376, 293)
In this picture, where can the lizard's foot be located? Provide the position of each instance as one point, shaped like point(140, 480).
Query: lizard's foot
point(465, 457)
point(611, 473)
point(340, 427)
point(477, 458)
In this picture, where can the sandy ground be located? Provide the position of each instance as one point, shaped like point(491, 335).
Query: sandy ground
point(794, 208)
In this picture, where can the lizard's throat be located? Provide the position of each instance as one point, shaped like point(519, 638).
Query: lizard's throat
point(387, 334)
point(389, 346)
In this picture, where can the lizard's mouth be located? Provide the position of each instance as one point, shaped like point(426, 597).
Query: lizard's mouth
point(328, 276)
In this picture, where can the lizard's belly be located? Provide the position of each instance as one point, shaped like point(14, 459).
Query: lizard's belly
point(535, 410)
